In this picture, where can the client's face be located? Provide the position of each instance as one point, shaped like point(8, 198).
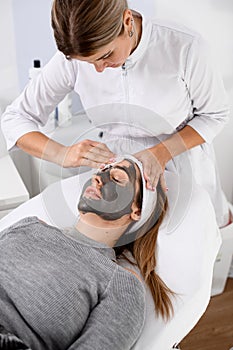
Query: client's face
point(111, 192)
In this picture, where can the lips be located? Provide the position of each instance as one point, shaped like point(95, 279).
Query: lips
point(114, 65)
point(92, 192)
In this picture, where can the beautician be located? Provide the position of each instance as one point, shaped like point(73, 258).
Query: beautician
point(111, 55)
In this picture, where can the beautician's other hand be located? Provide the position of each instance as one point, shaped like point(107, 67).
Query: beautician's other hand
point(86, 153)
point(153, 168)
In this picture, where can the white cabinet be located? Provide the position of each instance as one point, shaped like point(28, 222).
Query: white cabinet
point(12, 189)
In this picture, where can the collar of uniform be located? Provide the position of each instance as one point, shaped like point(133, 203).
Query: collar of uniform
point(81, 238)
point(143, 44)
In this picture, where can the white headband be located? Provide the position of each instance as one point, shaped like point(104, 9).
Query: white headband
point(149, 197)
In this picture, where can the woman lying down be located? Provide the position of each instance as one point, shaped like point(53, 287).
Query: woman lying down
point(64, 289)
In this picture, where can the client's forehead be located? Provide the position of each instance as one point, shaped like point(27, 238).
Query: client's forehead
point(126, 164)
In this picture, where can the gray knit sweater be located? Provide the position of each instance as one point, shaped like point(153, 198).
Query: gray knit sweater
point(59, 292)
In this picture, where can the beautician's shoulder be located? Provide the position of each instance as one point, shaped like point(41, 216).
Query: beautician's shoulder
point(59, 66)
point(170, 31)
point(59, 59)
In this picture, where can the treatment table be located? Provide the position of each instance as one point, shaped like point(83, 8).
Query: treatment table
point(187, 245)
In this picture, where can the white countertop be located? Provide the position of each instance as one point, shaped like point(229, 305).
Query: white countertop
point(12, 189)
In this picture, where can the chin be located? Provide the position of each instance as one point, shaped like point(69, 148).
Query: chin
point(93, 220)
point(87, 216)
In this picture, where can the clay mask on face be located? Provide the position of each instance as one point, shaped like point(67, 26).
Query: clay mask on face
point(116, 200)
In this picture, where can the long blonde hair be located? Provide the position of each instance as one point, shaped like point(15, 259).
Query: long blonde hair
point(82, 27)
point(143, 250)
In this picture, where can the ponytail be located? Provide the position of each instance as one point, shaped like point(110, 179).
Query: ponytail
point(143, 250)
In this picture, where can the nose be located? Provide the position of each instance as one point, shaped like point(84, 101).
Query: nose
point(100, 67)
point(97, 181)
point(101, 179)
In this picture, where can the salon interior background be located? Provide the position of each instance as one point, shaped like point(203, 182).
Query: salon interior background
point(25, 34)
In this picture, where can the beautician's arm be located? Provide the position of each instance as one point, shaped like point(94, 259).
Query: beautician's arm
point(86, 153)
point(210, 111)
point(176, 144)
point(20, 122)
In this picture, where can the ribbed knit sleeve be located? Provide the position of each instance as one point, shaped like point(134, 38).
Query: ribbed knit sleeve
point(117, 321)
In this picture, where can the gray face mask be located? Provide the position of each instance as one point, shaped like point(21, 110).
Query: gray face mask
point(116, 200)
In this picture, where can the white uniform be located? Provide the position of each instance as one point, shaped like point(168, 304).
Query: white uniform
point(168, 82)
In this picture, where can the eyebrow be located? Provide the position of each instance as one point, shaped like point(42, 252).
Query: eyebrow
point(125, 169)
point(106, 54)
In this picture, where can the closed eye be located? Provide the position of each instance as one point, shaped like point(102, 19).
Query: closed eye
point(107, 55)
point(120, 181)
point(104, 56)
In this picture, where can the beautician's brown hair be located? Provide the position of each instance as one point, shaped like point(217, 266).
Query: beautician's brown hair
point(82, 27)
point(143, 250)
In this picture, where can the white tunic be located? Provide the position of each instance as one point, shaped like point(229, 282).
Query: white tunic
point(168, 82)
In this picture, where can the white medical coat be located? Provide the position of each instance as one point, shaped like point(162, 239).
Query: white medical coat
point(168, 82)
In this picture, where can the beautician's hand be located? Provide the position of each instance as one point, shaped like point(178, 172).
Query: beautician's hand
point(86, 153)
point(153, 168)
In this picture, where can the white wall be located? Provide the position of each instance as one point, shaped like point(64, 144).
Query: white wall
point(34, 38)
point(9, 84)
point(146, 6)
point(8, 71)
point(33, 34)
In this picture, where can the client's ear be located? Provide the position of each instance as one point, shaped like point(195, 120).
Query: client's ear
point(135, 213)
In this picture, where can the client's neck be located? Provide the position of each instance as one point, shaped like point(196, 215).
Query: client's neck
point(108, 235)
